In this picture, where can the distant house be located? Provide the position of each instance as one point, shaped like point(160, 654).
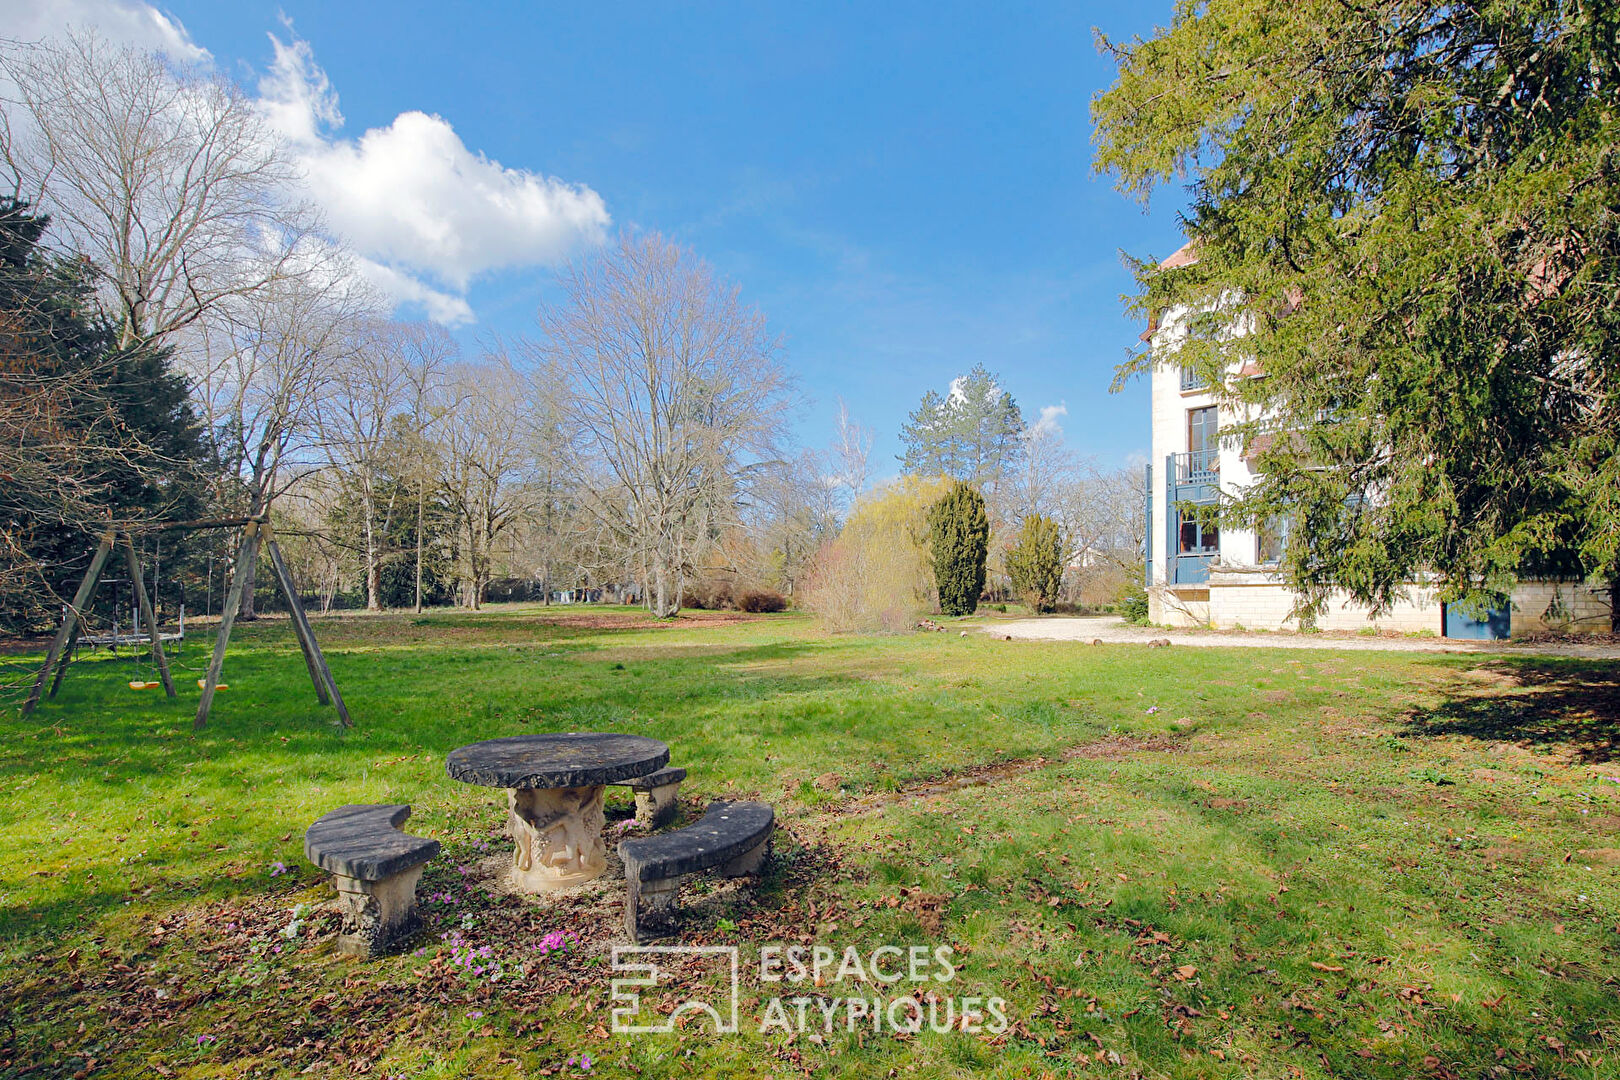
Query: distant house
point(1200, 575)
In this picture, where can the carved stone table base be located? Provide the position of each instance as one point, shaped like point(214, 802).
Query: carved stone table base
point(554, 788)
point(558, 837)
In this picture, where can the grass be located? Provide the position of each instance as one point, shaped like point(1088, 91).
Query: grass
point(1169, 862)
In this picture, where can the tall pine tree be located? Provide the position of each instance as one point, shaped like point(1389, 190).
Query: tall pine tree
point(974, 434)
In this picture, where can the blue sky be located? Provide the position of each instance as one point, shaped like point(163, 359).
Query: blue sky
point(904, 189)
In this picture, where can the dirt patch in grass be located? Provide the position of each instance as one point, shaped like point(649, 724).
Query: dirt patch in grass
point(1109, 748)
point(975, 777)
point(1492, 677)
point(1507, 852)
point(1606, 856)
point(1114, 747)
point(706, 619)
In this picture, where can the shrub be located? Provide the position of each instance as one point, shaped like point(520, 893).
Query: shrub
point(959, 532)
point(874, 575)
point(1035, 563)
point(708, 595)
point(1134, 605)
point(761, 600)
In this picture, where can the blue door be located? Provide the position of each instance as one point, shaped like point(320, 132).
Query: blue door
point(1492, 624)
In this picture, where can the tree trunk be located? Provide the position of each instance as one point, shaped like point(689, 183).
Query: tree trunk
point(420, 496)
point(245, 610)
point(666, 592)
point(657, 596)
point(373, 564)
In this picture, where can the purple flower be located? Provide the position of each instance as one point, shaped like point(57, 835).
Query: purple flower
point(278, 868)
point(555, 941)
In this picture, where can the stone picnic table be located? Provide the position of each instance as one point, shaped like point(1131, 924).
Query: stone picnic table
point(554, 796)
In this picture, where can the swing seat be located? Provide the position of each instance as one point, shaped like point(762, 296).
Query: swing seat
point(201, 683)
point(136, 684)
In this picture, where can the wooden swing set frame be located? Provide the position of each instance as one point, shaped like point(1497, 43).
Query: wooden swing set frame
point(255, 531)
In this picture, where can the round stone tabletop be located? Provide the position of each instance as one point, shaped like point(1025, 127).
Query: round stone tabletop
point(574, 759)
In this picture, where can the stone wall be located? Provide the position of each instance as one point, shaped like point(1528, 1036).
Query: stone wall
point(1560, 605)
point(1254, 601)
point(1266, 605)
point(1178, 607)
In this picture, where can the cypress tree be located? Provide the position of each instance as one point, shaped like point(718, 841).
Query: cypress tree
point(1035, 563)
point(960, 533)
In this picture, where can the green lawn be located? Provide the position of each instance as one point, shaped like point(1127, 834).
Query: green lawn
point(1170, 862)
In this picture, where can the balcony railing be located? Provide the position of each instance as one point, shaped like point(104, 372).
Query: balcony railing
point(1197, 467)
point(1191, 569)
point(1147, 524)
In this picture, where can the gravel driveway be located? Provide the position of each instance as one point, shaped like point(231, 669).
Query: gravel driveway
point(1112, 629)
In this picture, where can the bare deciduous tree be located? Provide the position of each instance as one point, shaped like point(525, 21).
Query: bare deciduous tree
point(485, 457)
point(381, 406)
point(669, 388)
point(851, 453)
point(1108, 518)
point(168, 179)
point(266, 370)
point(428, 352)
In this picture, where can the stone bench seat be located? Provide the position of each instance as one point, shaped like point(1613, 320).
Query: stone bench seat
point(733, 836)
point(375, 868)
point(655, 795)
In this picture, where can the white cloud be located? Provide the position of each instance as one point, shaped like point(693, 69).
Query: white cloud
point(423, 214)
point(412, 196)
point(1048, 423)
point(117, 20)
point(296, 97)
point(442, 307)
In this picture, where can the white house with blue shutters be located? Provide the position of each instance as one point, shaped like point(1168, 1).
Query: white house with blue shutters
point(1199, 575)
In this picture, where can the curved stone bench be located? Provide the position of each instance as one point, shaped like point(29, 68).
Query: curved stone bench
point(655, 795)
point(732, 835)
point(375, 868)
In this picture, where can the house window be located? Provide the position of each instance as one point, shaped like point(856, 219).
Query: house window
point(1199, 538)
point(1270, 540)
point(1201, 428)
point(1191, 380)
